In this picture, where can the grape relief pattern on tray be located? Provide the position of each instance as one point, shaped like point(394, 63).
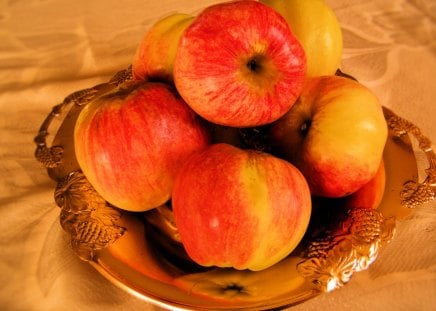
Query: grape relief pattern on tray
point(348, 246)
point(88, 218)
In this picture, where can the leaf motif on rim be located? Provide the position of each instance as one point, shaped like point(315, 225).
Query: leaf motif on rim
point(49, 157)
point(332, 271)
point(122, 76)
point(86, 216)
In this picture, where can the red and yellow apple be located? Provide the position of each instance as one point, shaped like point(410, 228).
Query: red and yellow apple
point(240, 208)
point(335, 134)
point(154, 57)
point(369, 195)
point(131, 142)
point(238, 64)
point(317, 28)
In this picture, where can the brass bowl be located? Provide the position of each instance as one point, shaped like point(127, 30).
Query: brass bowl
point(142, 254)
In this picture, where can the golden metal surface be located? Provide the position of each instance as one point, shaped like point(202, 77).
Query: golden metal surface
point(142, 253)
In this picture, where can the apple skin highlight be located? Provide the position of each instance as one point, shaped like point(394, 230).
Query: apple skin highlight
point(238, 75)
point(239, 208)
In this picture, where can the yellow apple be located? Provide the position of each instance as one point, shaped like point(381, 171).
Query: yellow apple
point(335, 134)
point(315, 25)
point(154, 57)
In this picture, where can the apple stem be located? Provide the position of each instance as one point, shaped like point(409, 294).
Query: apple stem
point(253, 65)
point(304, 128)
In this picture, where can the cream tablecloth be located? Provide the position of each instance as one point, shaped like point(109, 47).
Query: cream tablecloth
point(50, 48)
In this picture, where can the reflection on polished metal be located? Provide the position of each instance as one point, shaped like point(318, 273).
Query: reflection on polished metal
point(348, 246)
point(86, 216)
point(162, 218)
point(414, 193)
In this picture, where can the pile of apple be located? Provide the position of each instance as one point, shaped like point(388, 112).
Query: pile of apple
point(237, 65)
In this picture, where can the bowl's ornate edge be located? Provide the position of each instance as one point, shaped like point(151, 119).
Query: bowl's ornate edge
point(51, 157)
point(85, 215)
point(353, 244)
point(348, 246)
point(415, 193)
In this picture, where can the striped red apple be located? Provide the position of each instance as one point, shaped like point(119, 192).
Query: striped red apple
point(238, 64)
point(130, 143)
point(240, 208)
